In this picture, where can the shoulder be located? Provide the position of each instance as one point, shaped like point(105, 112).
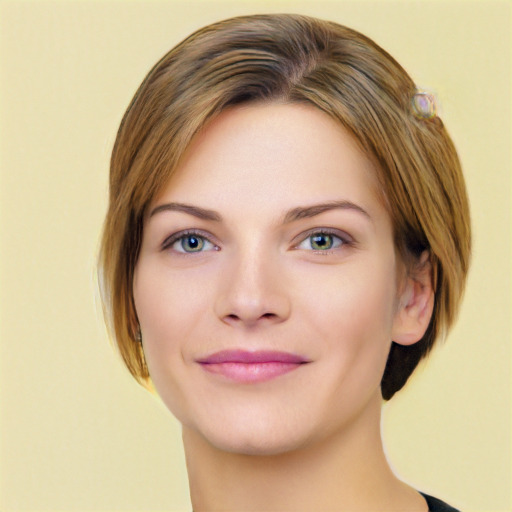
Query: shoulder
point(436, 505)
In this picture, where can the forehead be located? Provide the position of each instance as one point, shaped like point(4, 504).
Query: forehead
point(279, 152)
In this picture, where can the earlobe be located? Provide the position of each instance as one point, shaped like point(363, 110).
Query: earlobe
point(416, 304)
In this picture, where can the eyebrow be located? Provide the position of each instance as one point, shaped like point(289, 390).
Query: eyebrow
point(301, 212)
point(317, 209)
point(196, 211)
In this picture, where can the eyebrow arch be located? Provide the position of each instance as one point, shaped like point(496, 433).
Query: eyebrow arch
point(196, 211)
point(316, 209)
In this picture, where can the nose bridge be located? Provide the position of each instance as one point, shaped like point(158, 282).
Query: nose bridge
point(254, 289)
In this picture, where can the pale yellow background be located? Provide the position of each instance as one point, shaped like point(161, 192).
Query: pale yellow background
point(77, 433)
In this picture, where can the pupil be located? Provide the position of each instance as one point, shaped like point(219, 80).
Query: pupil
point(192, 242)
point(322, 241)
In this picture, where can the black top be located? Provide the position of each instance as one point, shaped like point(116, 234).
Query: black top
point(435, 505)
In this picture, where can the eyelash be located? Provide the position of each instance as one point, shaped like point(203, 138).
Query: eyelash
point(345, 240)
point(176, 237)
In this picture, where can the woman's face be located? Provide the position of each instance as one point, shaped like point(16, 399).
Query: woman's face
point(266, 285)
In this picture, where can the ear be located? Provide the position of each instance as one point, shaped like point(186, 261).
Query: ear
point(416, 303)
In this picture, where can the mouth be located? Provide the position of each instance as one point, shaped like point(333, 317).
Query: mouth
point(251, 367)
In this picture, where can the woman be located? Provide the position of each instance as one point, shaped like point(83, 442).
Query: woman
point(287, 236)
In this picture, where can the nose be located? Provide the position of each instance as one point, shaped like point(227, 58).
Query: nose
point(253, 292)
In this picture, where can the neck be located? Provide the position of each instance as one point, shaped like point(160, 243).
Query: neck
point(343, 471)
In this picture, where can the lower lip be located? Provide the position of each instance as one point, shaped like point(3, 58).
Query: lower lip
point(250, 372)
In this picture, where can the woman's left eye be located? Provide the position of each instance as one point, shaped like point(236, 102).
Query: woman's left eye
point(321, 241)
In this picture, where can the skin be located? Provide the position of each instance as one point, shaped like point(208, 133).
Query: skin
point(255, 279)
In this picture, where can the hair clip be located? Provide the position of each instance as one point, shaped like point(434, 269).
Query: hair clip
point(424, 105)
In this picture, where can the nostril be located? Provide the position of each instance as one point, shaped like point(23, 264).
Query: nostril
point(234, 318)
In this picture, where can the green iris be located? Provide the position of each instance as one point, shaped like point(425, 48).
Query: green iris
point(192, 243)
point(321, 241)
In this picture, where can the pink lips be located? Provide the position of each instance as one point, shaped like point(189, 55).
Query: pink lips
point(244, 366)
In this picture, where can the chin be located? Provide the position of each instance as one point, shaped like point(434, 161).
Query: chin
point(263, 438)
point(255, 446)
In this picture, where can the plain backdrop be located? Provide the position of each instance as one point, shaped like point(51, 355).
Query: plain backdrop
point(77, 433)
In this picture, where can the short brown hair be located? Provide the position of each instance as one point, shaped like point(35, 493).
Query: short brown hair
point(293, 59)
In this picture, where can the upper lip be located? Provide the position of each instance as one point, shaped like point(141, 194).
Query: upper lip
point(248, 357)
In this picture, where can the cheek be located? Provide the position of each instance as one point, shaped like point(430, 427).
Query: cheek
point(168, 310)
point(354, 319)
point(357, 297)
point(166, 303)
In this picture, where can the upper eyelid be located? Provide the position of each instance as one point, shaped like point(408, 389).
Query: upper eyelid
point(342, 235)
point(173, 238)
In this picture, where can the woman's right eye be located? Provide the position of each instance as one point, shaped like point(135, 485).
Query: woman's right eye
point(187, 243)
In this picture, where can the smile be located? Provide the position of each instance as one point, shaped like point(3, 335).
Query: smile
point(251, 367)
